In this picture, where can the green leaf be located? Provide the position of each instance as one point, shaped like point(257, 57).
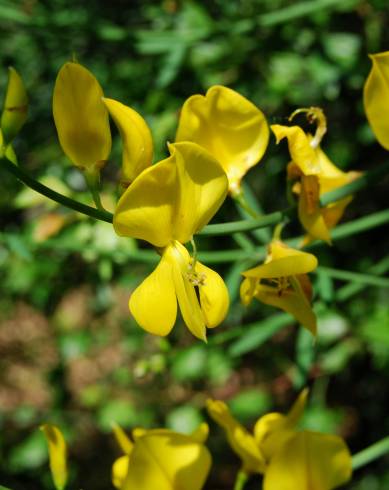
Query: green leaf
point(257, 333)
point(184, 419)
point(250, 404)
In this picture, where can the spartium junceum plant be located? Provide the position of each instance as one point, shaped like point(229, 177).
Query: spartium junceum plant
point(220, 136)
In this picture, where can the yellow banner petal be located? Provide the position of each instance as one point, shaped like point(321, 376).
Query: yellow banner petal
point(14, 113)
point(167, 461)
point(300, 150)
point(229, 126)
point(201, 189)
point(136, 138)
point(57, 455)
point(81, 117)
point(153, 304)
point(376, 97)
point(146, 209)
point(309, 461)
point(119, 471)
point(214, 298)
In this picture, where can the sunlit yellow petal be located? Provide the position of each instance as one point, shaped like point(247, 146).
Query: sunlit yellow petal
point(119, 471)
point(57, 455)
point(376, 97)
point(167, 461)
point(146, 209)
point(201, 188)
point(309, 461)
point(284, 261)
point(230, 127)
point(300, 150)
point(136, 138)
point(153, 304)
point(240, 440)
point(185, 291)
point(122, 439)
point(14, 113)
point(214, 297)
point(81, 117)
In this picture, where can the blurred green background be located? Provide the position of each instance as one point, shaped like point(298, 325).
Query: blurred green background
point(69, 352)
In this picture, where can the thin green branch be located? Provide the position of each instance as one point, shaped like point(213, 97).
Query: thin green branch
point(371, 453)
point(24, 177)
point(300, 9)
point(356, 277)
point(241, 480)
point(363, 181)
point(244, 225)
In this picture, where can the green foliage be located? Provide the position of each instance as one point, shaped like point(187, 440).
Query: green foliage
point(69, 350)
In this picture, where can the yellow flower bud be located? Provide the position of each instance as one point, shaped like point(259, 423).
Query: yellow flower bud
point(15, 107)
point(81, 117)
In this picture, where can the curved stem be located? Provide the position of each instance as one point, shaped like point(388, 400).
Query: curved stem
point(371, 453)
point(240, 199)
point(53, 195)
point(241, 480)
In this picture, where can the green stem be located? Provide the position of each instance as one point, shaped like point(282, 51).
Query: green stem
point(240, 199)
point(244, 225)
point(241, 480)
point(23, 176)
point(354, 277)
point(92, 178)
point(371, 453)
point(359, 183)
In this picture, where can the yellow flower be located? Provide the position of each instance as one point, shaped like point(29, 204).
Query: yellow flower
point(162, 459)
point(309, 461)
point(136, 137)
point(81, 117)
point(282, 281)
point(57, 455)
point(166, 205)
point(376, 97)
point(270, 431)
point(229, 126)
point(316, 175)
point(289, 459)
point(14, 113)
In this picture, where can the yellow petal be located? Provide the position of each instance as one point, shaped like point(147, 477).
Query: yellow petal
point(229, 126)
point(81, 117)
point(310, 213)
point(122, 439)
point(136, 137)
point(146, 209)
point(153, 304)
point(214, 297)
point(201, 189)
point(173, 199)
point(240, 440)
point(291, 301)
point(247, 290)
point(309, 461)
point(14, 113)
point(376, 97)
point(186, 295)
point(119, 471)
point(284, 261)
point(167, 460)
point(57, 455)
point(8, 152)
point(299, 146)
